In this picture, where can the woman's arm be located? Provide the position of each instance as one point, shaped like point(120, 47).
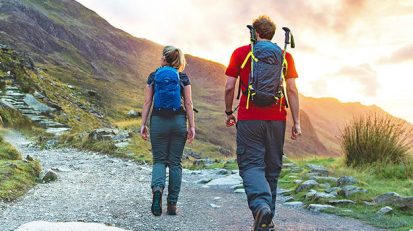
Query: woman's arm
point(189, 112)
point(145, 110)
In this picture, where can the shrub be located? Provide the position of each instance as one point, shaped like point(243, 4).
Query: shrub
point(374, 139)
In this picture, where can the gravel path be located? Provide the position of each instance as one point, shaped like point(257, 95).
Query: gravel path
point(102, 189)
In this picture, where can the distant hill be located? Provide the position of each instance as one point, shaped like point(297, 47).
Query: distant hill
point(76, 46)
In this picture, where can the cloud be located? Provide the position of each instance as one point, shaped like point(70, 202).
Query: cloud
point(363, 75)
point(403, 54)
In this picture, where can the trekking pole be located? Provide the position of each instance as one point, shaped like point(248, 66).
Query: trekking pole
point(253, 39)
point(289, 39)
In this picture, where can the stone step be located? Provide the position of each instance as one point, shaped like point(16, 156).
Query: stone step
point(29, 112)
point(12, 88)
point(36, 118)
point(57, 131)
point(15, 95)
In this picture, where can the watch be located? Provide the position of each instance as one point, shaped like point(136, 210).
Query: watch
point(229, 112)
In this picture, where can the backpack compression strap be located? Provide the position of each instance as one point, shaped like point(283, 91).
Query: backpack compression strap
point(250, 89)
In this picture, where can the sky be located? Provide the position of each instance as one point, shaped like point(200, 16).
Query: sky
point(352, 50)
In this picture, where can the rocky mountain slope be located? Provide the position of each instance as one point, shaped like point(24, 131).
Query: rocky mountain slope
point(76, 46)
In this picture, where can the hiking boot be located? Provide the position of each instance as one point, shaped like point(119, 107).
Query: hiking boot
point(171, 208)
point(263, 219)
point(156, 207)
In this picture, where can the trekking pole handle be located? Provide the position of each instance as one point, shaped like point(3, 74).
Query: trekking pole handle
point(287, 35)
point(252, 33)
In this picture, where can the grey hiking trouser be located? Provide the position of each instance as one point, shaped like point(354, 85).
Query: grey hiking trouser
point(168, 137)
point(259, 155)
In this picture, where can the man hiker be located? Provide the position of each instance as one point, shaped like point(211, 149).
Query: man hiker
point(262, 115)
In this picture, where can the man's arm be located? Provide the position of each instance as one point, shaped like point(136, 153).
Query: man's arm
point(293, 99)
point(229, 99)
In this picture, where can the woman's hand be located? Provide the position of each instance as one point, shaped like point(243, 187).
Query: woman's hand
point(144, 132)
point(191, 134)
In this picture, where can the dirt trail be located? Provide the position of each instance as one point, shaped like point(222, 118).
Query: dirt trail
point(99, 188)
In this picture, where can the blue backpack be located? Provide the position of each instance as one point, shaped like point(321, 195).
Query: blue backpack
point(167, 95)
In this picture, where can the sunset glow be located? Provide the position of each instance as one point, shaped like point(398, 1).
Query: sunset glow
point(353, 50)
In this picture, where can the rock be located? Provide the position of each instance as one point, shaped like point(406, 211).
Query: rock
point(306, 185)
point(329, 179)
point(319, 207)
point(91, 93)
point(240, 190)
point(49, 176)
point(122, 144)
point(65, 226)
point(71, 86)
point(103, 134)
point(394, 199)
point(225, 151)
point(134, 114)
point(297, 181)
point(61, 169)
point(217, 198)
point(223, 172)
point(346, 180)
point(322, 195)
point(385, 210)
point(333, 189)
point(202, 162)
point(288, 199)
point(203, 180)
point(190, 153)
point(310, 194)
point(318, 169)
point(238, 186)
point(349, 190)
point(214, 206)
point(38, 95)
point(325, 185)
point(294, 204)
point(341, 202)
point(284, 192)
point(369, 203)
point(29, 158)
point(228, 180)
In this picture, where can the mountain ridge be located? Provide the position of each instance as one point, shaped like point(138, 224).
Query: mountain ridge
point(76, 46)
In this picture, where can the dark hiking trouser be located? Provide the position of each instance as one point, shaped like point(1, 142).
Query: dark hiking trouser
point(259, 156)
point(168, 137)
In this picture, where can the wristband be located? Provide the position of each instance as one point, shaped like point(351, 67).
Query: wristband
point(229, 112)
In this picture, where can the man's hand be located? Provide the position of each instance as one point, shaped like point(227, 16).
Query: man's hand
point(296, 131)
point(230, 120)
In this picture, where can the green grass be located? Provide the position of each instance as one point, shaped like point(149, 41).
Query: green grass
point(377, 180)
point(16, 176)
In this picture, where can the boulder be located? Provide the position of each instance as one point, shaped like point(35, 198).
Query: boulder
point(65, 226)
point(385, 210)
point(341, 202)
point(319, 207)
point(394, 199)
point(103, 134)
point(349, 190)
point(294, 204)
point(49, 176)
point(306, 185)
point(346, 180)
point(318, 169)
point(134, 114)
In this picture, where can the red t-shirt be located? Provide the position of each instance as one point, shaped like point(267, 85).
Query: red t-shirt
point(272, 112)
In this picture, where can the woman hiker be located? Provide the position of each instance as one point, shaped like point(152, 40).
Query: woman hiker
point(168, 125)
